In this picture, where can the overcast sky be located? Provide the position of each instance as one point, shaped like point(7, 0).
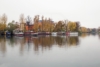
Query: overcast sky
point(85, 11)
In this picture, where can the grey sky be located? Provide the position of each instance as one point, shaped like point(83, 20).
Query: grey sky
point(85, 11)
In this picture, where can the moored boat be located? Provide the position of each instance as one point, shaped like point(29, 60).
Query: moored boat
point(72, 34)
point(54, 33)
point(7, 33)
point(61, 33)
point(48, 33)
point(41, 33)
point(34, 34)
point(18, 33)
point(27, 33)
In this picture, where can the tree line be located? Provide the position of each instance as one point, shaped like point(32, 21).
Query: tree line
point(43, 25)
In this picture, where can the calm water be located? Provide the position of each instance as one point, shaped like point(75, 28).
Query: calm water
point(50, 51)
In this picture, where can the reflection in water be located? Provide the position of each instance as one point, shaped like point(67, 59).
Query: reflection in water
point(42, 41)
point(39, 43)
point(84, 35)
point(48, 42)
point(2, 45)
point(60, 41)
point(99, 35)
point(51, 51)
point(15, 41)
point(72, 41)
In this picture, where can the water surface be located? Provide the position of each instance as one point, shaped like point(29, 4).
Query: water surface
point(50, 51)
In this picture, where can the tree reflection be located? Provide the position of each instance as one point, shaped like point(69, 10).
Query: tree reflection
point(20, 41)
point(60, 41)
point(99, 36)
point(40, 43)
point(48, 42)
point(2, 44)
point(22, 44)
point(93, 34)
point(43, 42)
point(11, 41)
point(83, 35)
point(72, 41)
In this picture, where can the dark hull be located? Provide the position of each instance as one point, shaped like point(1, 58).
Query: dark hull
point(30, 34)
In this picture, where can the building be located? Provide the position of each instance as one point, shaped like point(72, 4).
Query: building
point(29, 27)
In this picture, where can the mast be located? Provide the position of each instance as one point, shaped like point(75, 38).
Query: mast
point(42, 22)
point(28, 22)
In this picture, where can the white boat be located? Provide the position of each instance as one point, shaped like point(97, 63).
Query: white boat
point(73, 34)
point(18, 33)
point(34, 34)
point(54, 33)
point(60, 33)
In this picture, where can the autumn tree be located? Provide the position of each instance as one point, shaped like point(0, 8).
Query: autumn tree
point(22, 19)
point(77, 26)
point(36, 23)
point(3, 21)
point(44, 25)
point(71, 26)
point(11, 26)
point(48, 25)
point(64, 28)
point(22, 22)
point(0, 24)
point(83, 29)
point(51, 25)
point(59, 26)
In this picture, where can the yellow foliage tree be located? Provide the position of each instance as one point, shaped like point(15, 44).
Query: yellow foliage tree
point(46, 25)
point(22, 22)
point(36, 23)
point(59, 26)
point(84, 29)
point(3, 21)
point(71, 26)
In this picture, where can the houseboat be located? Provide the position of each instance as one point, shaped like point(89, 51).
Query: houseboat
point(18, 33)
point(60, 33)
point(72, 33)
point(30, 33)
point(54, 33)
point(48, 33)
point(8, 33)
point(33, 33)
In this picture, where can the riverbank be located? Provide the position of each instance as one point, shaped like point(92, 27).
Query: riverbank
point(41, 33)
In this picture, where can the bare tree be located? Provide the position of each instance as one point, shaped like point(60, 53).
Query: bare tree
point(22, 19)
point(22, 22)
